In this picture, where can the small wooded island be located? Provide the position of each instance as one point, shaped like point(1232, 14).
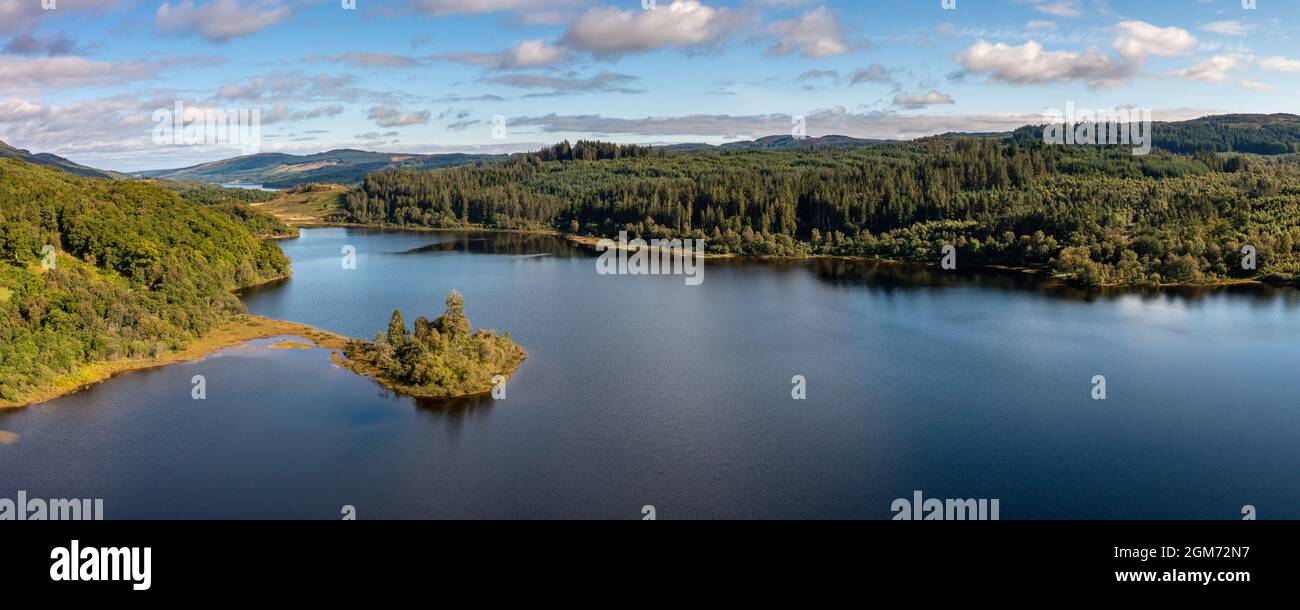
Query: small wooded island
point(443, 358)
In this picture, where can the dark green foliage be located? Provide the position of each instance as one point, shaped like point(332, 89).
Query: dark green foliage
point(453, 322)
point(587, 150)
point(212, 194)
point(1273, 134)
point(396, 327)
point(261, 224)
point(998, 203)
point(442, 358)
point(235, 202)
point(1263, 134)
point(139, 271)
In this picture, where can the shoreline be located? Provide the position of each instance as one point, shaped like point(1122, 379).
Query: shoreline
point(239, 330)
point(369, 372)
point(243, 328)
point(588, 241)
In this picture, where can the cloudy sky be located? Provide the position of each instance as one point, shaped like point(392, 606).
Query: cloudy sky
point(84, 78)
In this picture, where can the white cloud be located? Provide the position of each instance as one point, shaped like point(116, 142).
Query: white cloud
point(528, 54)
point(1029, 64)
point(1057, 8)
point(51, 45)
point(388, 116)
point(1280, 64)
point(30, 73)
point(262, 87)
point(1257, 86)
point(921, 100)
point(605, 82)
point(1227, 28)
point(117, 127)
point(1213, 70)
point(815, 34)
point(220, 20)
point(874, 73)
point(281, 113)
point(367, 60)
point(475, 7)
point(683, 24)
point(20, 15)
point(1138, 39)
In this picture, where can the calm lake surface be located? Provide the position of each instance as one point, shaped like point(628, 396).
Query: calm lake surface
point(640, 390)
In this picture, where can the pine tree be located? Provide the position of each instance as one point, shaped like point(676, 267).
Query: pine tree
point(396, 328)
point(453, 321)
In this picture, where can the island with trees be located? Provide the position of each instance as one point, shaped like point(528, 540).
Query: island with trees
point(442, 358)
point(99, 277)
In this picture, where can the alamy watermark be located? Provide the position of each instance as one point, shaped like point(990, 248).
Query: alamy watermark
point(57, 509)
point(656, 257)
point(1113, 127)
point(75, 563)
point(919, 508)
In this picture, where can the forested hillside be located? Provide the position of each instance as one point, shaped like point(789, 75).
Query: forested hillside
point(55, 161)
point(1261, 134)
point(1101, 215)
point(235, 202)
point(138, 271)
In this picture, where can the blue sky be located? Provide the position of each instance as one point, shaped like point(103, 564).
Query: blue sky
point(83, 79)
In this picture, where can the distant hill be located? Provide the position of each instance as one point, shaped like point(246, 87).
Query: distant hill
point(1267, 134)
point(783, 142)
point(984, 135)
point(7, 151)
point(787, 142)
point(281, 170)
point(1264, 134)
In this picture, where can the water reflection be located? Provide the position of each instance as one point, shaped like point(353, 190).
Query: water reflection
point(908, 276)
point(963, 384)
point(884, 275)
point(453, 409)
point(503, 243)
point(456, 408)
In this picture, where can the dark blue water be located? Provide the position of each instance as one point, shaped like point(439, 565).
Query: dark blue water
point(640, 390)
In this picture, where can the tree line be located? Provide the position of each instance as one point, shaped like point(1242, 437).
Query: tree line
point(1099, 215)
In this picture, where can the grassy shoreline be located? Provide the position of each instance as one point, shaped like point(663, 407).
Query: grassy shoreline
point(247, 327)
point(239, 330)
point(375, 375)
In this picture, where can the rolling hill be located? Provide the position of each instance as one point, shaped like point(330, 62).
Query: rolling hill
point(1265, 134)
point(281, 170)
point(7, 151)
